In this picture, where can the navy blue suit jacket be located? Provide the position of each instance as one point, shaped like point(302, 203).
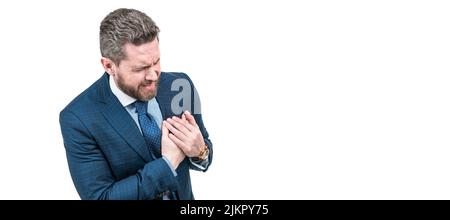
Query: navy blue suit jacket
point(107, 154)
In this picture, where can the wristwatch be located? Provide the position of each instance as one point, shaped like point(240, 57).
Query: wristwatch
point(203, 153)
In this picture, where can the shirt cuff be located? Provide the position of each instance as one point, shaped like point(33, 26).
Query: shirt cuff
point(170, 165)
point(200, 164)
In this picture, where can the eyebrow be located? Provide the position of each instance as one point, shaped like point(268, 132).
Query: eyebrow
point(146, 66)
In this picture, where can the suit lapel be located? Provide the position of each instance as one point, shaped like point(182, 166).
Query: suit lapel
point(163, 98)
point(121, 121)
point(162, 106)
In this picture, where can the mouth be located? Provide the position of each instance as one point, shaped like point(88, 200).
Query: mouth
point(150, 86)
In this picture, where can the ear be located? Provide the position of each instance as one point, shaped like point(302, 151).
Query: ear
point(108, 65)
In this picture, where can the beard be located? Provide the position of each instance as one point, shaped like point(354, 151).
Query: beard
point(138, 92)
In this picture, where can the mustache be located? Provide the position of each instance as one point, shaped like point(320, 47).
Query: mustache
point(147, 82)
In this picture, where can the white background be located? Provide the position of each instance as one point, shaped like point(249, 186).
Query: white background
point(302, 99)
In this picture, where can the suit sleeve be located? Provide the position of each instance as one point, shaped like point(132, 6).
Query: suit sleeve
point(198, 119)
point(92, 175)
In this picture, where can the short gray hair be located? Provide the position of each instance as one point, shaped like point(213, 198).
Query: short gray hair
point(125, 26)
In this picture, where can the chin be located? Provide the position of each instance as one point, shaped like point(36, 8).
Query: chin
point(147, 97)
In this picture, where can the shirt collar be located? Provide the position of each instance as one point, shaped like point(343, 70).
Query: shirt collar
point(124, 99)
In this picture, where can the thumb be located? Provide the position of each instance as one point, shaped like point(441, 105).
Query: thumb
point(190, 118)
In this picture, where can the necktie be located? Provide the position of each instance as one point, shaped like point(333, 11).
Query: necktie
point(152, 136)
point(150, 129)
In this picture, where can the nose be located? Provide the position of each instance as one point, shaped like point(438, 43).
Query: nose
point(152, 74)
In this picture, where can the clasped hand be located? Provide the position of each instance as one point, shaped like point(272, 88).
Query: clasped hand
point(184, 138)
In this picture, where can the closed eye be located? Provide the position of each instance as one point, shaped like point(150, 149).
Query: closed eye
point(139, 69)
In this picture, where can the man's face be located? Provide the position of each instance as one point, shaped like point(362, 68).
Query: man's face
point(138, 74)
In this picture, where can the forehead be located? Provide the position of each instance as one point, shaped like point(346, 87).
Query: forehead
point(145, 53)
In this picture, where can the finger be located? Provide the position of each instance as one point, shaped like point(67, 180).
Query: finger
point(164, 129)
point(174, 130)
point(177, 142)
point(178, 123)
point(190, 118)
point(183, 117)
point(184, 123)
